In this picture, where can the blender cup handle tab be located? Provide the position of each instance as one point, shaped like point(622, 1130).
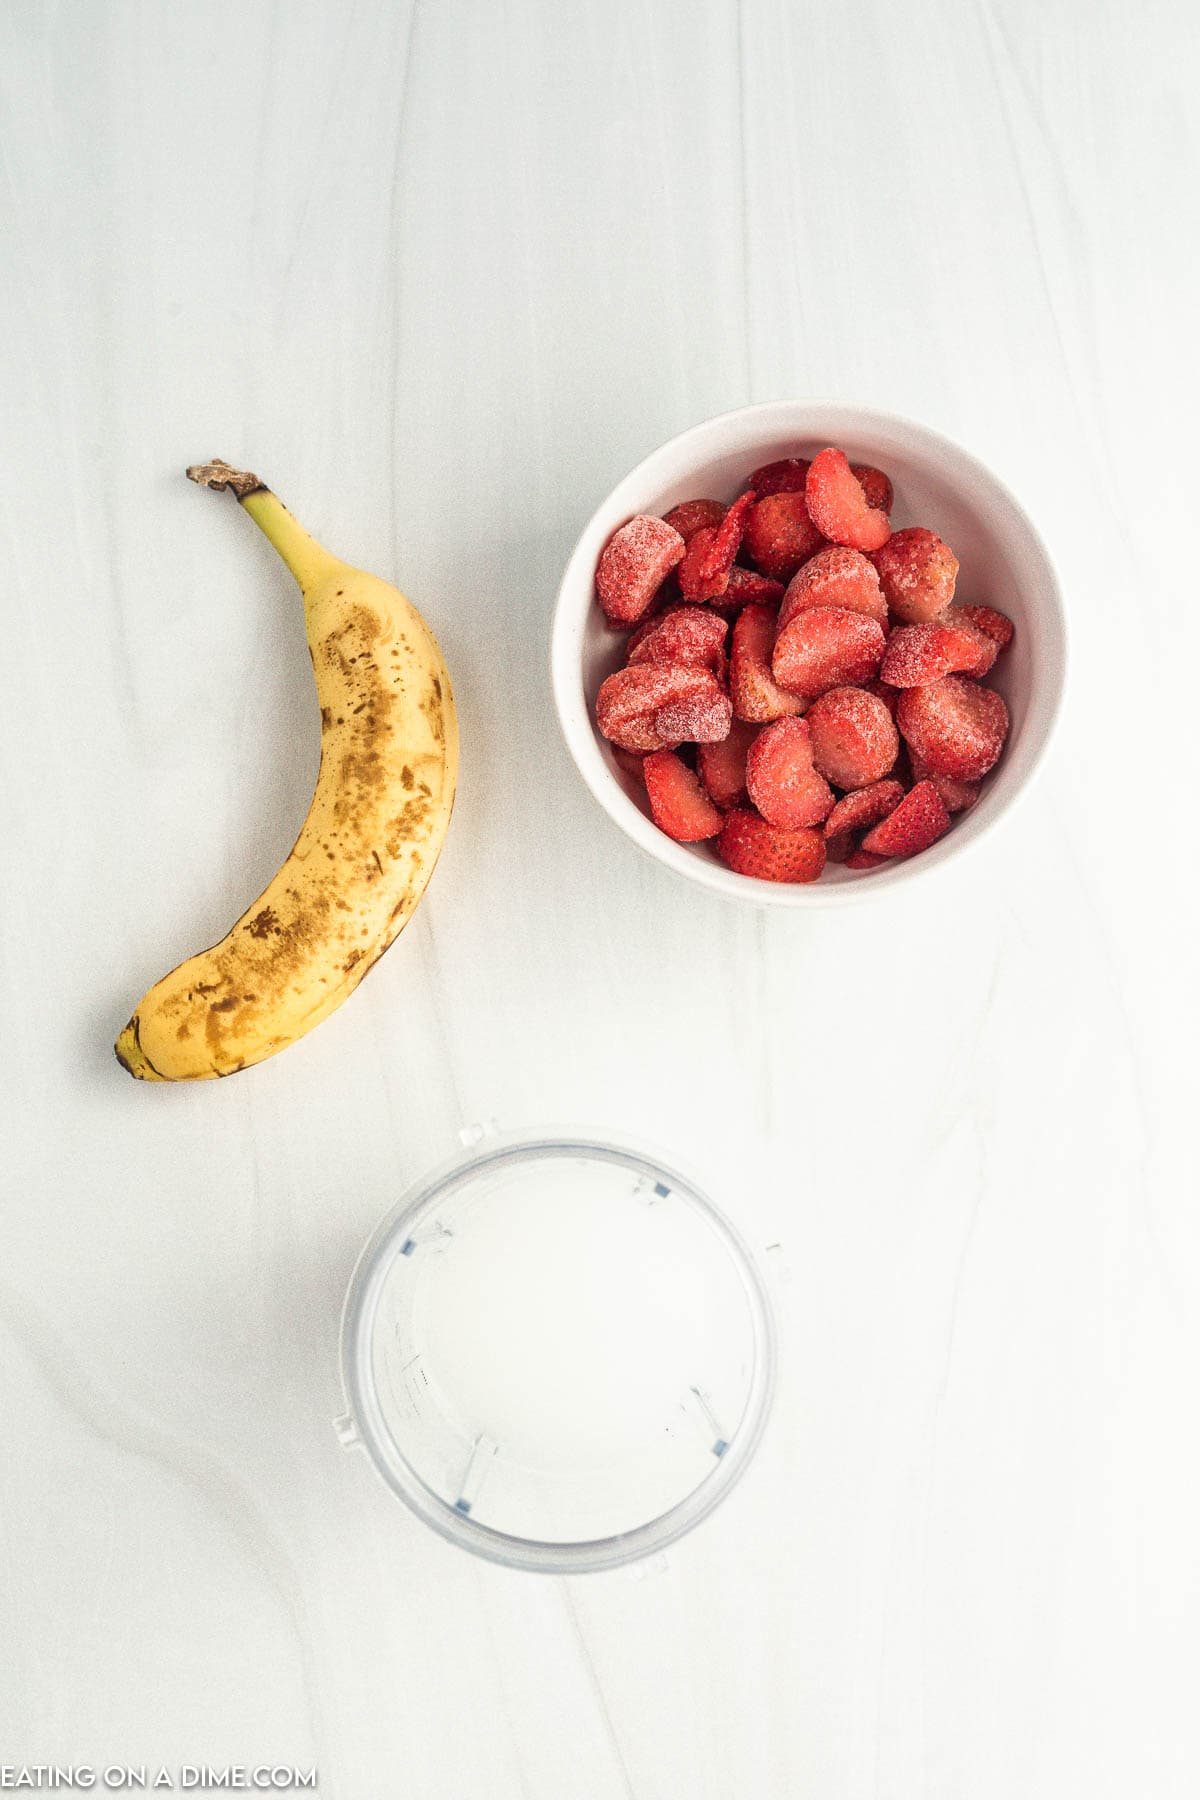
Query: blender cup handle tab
point(777, 1265)
point(698, 1407)
point(642, 1568)
point(476, 1473)
point(651, 1191)
point(647, 1568)
point(477, 1130)
point(347, 1431)
point(435, 1235)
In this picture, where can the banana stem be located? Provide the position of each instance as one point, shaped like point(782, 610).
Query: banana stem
point(307, 560)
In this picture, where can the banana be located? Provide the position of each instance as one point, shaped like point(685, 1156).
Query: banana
point(376, 824)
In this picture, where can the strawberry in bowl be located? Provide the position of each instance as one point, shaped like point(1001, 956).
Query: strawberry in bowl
point(809, 655)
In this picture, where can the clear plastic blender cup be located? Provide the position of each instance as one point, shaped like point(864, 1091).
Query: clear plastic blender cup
point(558, 1353)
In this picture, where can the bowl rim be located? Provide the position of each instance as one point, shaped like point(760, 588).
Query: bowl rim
point(582, 740)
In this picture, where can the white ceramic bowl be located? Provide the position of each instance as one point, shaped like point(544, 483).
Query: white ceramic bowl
point(1003, 561)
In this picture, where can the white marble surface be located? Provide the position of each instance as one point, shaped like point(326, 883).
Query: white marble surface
point(442, 273)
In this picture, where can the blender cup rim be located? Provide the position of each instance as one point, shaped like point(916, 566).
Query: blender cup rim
point(372, 1431)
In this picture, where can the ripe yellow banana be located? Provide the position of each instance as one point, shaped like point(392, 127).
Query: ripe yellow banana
point(378, 818)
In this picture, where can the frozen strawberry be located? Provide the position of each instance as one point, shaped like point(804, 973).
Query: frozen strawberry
point(628, 701)
point(874, 484)
point(756, 695)
point(748, 588)
point(986, 648)
point(838, 848)
point(957, 796)
point(918, 821)
point(838, 506)
point(693, 585)
point(854, 740)
point(630, 704)
point(780, 535)
point(686, 634)
point(723, 766)
point(957, 727)
point(678, 804)
point(708, 560)
point(919, 654)
point(995, 625)
point(704, 571)
point(863, 808)
point(629, 762)
point(835, 576)
point(641, 632)
point(827, 647)
point(696, 718)
point(780, 777)
point(728, 539)
point(917, 573)
point(691, 516)
point(883, 690)
point(751, 846)
point(863, 859)
point(633, 566)
point(787, 476)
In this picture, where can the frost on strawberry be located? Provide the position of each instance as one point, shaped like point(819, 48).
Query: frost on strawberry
point(780, 777)
point(641, 708)
point(686, 634)
point(919, 654)
point(696, 718)
point(839, 577)
point(838, 506)
point(955, 726)
point(854, 738)
point(826, 647)
point(917, 572)
point(633, 566)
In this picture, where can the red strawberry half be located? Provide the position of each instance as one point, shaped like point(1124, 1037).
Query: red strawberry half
point(838, 506)
point(826, 647)
point(752, 847)
point(678, 804)
point(918, 821)
point(780, 777)
point(756, 694)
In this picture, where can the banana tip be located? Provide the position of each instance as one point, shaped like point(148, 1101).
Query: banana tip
point(131, 1056)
